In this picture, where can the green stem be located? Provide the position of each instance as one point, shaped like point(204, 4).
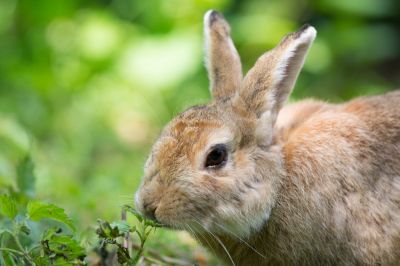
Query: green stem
point(22, 251)
point(16, 240)
point(13, 251)
point(33, 248)
point(18, 243)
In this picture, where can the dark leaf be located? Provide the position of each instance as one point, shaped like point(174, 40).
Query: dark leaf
point(61, 248)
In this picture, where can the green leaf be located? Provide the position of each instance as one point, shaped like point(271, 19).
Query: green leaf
point(42, 261)
point(48, 234)
point(132, 210)
point(123, 255)
point(23, 227)
point(152, 223)
point(39, 210)
point(108, 231)
point(123, 226)
point(140, 217)
point(25, 177)
point(8, 206)
point(61, 248)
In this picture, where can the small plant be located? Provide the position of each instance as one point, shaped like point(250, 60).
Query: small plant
point(32, 232)
point(118, 234)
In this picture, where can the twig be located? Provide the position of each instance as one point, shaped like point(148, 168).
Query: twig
point(127, 237)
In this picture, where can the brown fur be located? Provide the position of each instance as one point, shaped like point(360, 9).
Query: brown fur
point(308, 184)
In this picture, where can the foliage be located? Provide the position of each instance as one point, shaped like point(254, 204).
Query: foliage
point(8, 206)
point(110, 233)
point(19, 241)
point(38, 210)
point(86, 86)
point(34, 232)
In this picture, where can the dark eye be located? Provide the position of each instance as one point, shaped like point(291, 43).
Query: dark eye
point(217, 157)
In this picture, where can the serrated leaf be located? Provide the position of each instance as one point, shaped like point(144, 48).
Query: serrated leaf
point(123, 226)
point(66, 245)
point(110, 231)
point(104, 229)
point(25, 229)
point(25, 177)
point(61, 248)
point(42, 261)
point(8, 206)
point(152, 223)
point(132, 210)
point(38, 210)
point(48, 234)
point(140, 217)
point(123, 255)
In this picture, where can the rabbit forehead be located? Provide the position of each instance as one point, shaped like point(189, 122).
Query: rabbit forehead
point(183, 143)
point(189, 138)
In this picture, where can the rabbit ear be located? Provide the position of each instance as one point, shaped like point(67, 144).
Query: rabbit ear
point(222, 59)
point(269, 83)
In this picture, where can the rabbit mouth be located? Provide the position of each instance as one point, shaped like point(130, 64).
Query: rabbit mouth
point(167, 226)
point(173, 227)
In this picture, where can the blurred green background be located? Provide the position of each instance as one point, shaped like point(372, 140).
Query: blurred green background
point(86, 86)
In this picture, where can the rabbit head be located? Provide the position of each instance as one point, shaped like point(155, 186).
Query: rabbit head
point(216, 167)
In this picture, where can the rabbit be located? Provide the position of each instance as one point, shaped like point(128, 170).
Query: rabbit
point(260, 183)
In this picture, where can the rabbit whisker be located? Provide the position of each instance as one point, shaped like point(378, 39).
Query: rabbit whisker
point(219, 241)
point(197, 236)
point(239, 238)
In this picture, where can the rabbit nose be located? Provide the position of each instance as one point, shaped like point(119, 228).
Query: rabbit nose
point(149, 211)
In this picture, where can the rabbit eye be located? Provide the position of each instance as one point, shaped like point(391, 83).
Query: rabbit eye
point(217, 157)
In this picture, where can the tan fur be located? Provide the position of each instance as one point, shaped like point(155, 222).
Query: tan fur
point(308, 184)
point(222, 59)
point(293, 115)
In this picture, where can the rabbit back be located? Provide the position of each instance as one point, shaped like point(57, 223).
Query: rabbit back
point(343, 180)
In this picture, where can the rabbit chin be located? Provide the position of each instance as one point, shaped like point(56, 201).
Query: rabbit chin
point(232, 222)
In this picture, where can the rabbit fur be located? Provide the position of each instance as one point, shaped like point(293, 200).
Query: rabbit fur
point(310, 183)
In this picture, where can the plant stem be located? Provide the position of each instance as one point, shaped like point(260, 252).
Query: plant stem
point(12, 234)
point(127, 240)
point(13, 251)
point(22, 251)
